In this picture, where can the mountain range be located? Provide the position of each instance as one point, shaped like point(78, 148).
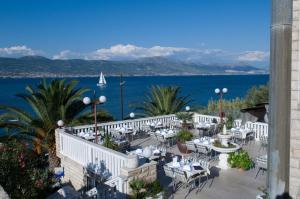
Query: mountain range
point(38, 66)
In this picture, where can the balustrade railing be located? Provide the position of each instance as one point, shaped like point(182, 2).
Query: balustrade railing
point(135, 123)
point(85, 153)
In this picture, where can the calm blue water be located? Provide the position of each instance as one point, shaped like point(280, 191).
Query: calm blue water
point(200, 88)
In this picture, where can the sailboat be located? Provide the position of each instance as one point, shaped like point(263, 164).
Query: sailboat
point(102, 81)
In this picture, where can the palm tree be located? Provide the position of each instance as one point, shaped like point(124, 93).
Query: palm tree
point(58, 100)
point(164, 101)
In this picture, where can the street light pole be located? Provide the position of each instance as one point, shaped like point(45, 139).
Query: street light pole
point(121, 96)
point(220, 93)
point(94, 102)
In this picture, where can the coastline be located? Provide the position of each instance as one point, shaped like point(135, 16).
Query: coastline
point(126, 75)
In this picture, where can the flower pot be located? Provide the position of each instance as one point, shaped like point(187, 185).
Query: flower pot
point(132, 162)
point(182, 148)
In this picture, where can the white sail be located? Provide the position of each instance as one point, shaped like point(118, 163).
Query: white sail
point(102, 81)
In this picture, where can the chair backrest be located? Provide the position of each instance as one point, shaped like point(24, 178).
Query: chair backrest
point(168, 171)
point(202, 149)
point(160, 138)
point(205, 165)
point(237, 134)
point(263, 139)
point(191, 146)
point(180, 175)
point(261, 162)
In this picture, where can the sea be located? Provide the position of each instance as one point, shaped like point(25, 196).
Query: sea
point(199, 88)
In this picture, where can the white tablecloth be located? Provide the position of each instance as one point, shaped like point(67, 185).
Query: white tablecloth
point(166, 133)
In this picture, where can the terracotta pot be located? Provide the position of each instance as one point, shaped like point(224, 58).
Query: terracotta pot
point(182, 148)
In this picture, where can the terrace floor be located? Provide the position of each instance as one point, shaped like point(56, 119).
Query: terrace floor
point(231, 183)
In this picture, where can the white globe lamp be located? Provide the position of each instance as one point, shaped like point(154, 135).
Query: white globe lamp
point(217, 90)
point(86, 100)
point(102, 99)
point(224, 90)
point(187, 108)
point(131, 115)
point(60, 123)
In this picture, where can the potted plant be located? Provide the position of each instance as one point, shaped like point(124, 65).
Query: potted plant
point(240, 160)
point(137, 186)
point(109, 143)
point(154, 190)
point(185, 117)
point(182, 137)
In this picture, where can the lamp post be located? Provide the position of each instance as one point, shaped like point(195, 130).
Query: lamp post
point(187, 108)
point(220, 93)
point(94, 102)
point(131, 115)
point(122, 83)
point(60, 123)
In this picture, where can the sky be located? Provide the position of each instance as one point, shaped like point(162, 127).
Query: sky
point(214, 31)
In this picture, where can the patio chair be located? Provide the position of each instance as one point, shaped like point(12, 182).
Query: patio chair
point(203, 151)
point(263, 142)
point(169, 173)
point(187, 182)
point(261, 164)
point(250, 136)
point(190, 145)
point(238, 137)
point(152, 135)
point(205, 173)
point(161, 139)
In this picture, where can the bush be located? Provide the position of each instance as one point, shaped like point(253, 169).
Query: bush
point(23, 174)
point(109, 143)
point(136, 186)
point(142, 189)
point(241, 160)
point(184, 135)
point(154, 188)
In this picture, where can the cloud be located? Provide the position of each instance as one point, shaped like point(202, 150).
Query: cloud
point(17, 51)
point(129, 51)
point(252, 56)
point(67, 54)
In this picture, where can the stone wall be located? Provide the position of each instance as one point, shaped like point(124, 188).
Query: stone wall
point(74, 173)
point(295, 107)
point(146, 172)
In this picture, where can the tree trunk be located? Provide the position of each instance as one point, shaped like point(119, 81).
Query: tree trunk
point(54, 161)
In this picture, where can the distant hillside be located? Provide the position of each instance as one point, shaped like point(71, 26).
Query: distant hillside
point(37, 66)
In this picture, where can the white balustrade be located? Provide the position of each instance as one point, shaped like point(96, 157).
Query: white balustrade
point(205, 118)
point(259, 128)
point(136, 123)
point(85, 152)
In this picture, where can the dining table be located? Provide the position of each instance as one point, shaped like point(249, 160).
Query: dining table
point(204, 141)
point(191, 168)
point(150, 152)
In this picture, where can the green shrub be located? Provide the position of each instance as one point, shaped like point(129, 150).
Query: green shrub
point(241, 160)
point(184, 135)
point(109, 143)
point(137, 186)
point(141, 189)
point(23, 174)
point(154, 188)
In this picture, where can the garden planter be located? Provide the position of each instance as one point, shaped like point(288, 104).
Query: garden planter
point(182, 148)
point(132, 162)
